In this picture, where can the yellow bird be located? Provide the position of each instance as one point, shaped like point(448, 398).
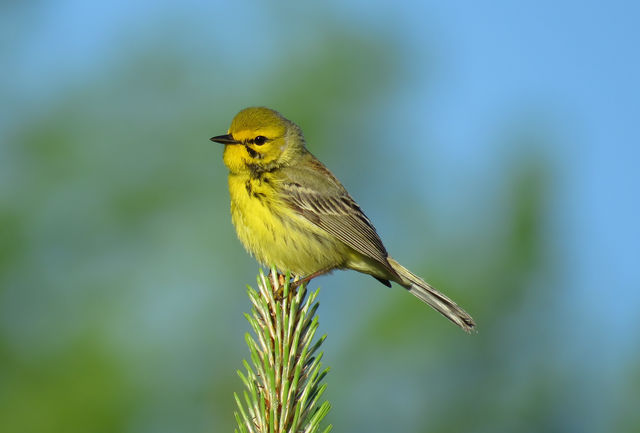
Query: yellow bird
point(291, 212)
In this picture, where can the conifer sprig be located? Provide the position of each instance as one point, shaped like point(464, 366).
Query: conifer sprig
point(283, 380)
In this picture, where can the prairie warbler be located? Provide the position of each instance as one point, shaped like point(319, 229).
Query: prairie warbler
point(290, 212)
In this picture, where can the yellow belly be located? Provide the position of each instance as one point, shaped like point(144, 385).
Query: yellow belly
point(276, 235)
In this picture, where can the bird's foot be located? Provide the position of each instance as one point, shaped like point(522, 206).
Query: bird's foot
point(277, 282)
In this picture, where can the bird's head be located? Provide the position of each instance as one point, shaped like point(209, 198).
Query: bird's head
point(260, 139)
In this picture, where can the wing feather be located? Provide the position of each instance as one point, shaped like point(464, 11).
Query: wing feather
point(328, 205)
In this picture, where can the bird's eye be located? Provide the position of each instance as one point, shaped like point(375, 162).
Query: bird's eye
point(260, 140)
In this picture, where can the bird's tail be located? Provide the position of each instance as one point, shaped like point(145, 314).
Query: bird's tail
point(427, 294)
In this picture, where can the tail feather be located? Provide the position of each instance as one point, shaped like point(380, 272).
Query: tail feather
point(427, 294)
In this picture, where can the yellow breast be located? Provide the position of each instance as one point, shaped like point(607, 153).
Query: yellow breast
point(275, 234)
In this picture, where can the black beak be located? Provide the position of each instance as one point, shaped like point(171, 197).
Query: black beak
point(225, 139)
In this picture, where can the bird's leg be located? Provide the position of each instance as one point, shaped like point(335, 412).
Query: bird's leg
point(305, 280)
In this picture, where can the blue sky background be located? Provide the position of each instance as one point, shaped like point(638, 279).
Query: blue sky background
point(469, 79)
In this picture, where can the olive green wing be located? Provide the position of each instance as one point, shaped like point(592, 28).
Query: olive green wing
point(313, 192)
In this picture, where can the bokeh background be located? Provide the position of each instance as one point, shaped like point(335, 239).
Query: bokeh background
point(494, 145)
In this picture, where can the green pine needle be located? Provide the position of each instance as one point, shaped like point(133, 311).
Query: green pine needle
point(283, 382)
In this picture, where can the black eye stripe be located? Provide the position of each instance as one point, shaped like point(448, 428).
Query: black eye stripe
point(252, 153)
